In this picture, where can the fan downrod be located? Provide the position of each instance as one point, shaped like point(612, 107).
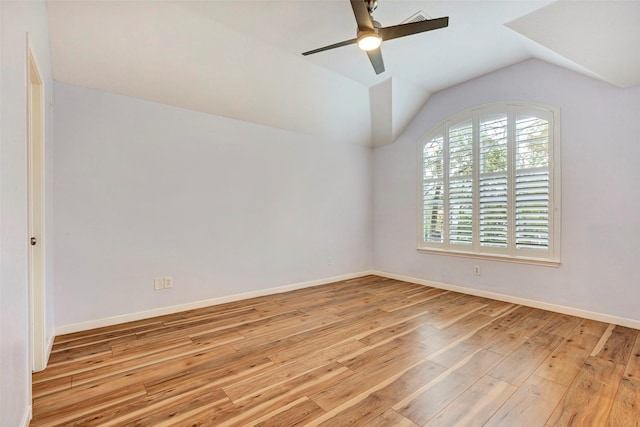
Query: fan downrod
point(371, 5)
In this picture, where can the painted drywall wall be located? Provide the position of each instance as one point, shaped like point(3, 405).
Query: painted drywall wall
point(145, 190)
point(17, 19)
point(600, 128)
point(394, 102)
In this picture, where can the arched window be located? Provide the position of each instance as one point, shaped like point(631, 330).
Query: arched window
point(490, 184)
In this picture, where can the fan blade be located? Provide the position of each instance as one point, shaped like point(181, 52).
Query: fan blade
point(362, 15)
point(375, 56)
point(331, 46)
point(402, 30)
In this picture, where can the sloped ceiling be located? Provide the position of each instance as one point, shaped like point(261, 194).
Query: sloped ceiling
point(241, 59)
point(603, 37)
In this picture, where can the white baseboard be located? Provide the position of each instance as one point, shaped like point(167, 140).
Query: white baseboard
point(601, 317)
point(110, 321)
point(26, 417)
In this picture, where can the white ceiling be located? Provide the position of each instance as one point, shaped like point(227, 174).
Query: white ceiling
point(241, 59)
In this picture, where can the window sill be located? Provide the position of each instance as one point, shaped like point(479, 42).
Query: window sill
point(492, 257)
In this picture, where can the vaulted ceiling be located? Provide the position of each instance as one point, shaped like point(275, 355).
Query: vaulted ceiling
point(242, 59)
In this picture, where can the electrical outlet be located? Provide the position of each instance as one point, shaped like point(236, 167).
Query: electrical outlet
point(168, 282)
point(158, 283)
point(476, 270)
point(330, 261)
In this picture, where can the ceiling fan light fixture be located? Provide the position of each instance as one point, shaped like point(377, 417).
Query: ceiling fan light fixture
point(369, 41)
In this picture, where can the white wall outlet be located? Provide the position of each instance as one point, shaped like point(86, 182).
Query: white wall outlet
point(330, 260)
point(476, 270)
point(158, 283)
point(168, 282)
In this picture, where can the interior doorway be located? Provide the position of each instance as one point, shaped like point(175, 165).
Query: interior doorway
point(35, 177)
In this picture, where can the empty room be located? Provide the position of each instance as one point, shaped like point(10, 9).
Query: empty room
point(319, 213)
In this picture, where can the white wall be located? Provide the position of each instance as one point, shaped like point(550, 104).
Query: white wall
point(18, 18)
point(600, 127)
point(225, 207)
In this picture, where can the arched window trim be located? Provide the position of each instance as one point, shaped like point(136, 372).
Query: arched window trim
point(461, 192)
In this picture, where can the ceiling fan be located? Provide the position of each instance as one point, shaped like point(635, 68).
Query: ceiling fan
point(370, 34)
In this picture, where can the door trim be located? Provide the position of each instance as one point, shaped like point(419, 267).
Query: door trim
point(36, 211)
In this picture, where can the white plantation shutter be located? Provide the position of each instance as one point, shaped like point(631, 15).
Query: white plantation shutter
point(490, 183)
point(532, 210)
point(493, 211)
point(433, 190)
point(460, 188)
point(460, 211)
point(492, 188)
point(532, 183)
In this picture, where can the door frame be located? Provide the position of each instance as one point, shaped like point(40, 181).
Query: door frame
point(36, 223)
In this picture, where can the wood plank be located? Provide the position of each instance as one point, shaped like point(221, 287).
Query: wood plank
point(454, 354)
point(153, 410)
point(486, 333)
point(449, 314)
point(84, 352)
point(380, 400)
point(239, 390)
point(561, 324)
point(119, 332)
point(321, 355)
point(462, 329)
point(618, 345)
point(296, 414)
point(371, 358)
point(626, 407)
point(391, 418)
point(179, 356)
point(564, 363)
point(494, 308)
point(475, 405)
point(299, 345)
point(633, 367)
point(521, 363)
point(186, 375)
point(413, 300)
point(430, 399)
point(593, 327)
point(256, 405)
point(141, 347)
point(331, 397)
point(80, 402)
point(398, 329)
point(515, 335)
point(533, 402)
point(48, 387)
point(590, 397)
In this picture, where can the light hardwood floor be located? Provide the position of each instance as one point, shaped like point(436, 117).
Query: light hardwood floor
point(369, 351)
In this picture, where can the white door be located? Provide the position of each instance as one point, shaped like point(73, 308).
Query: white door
point(35, 124)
